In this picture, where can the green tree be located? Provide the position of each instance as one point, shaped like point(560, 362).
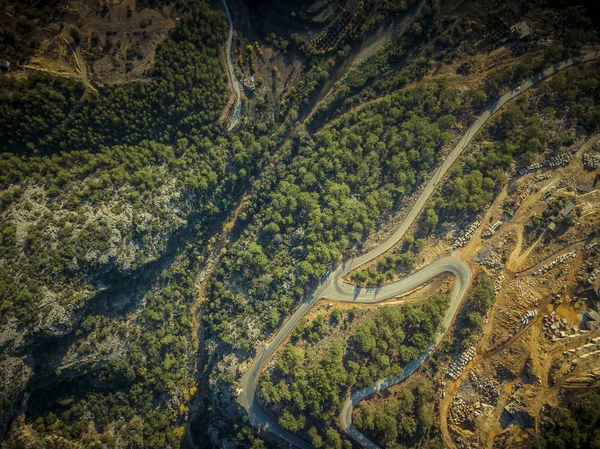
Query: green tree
point(290, 422)
point(333, 441)
point(315, 439)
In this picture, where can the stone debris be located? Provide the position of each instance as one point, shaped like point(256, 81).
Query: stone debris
point(490, 231)
point(586, 348)
point(590, 246)
point(528, 317)
point(498, 283)
point(463, 414)
point(541, 177)
point(566, 182)
point(515, 411)
point(557, 328)
point(593, 276)
point(463, 239)
point(477, 394)
point(558, 261)
point(591, 354)
point(590, 161)
point(585, 352)
point(588, 379)
point(459, 365)
point(487, 388)
point(489, 257)
point(560, 160)
point(592, 320)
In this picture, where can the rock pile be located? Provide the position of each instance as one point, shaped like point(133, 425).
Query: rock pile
point(489, 257)
point(464, 414)
point(493, 228)
point(463, 239)
point(541, 177)
point(554, 326)
point(515, 411)
point(559, 260)
point(560, 160)
point(528, 317)
point(477, 394)
point(459, 365)
point(498, 283)
point(488, 388)
point(591, 161)
point(584, 349)
point(592, 320)
point(566, 182)
point(593, 276)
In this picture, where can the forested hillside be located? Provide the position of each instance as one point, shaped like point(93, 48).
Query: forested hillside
point(148, 254)
point(531, 127)
point(316, 370)
point(318, 206)
point(185, 96)
point(519, 136)
point(108, 200)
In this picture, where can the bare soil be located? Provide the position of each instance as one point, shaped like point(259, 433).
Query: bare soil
point(117, 41)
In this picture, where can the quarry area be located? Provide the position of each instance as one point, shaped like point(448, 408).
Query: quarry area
point(540, 338)
point(539, 342)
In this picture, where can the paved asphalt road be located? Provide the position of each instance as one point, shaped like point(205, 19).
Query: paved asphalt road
point(333, 287)
point(462, 272)
point(236, 84)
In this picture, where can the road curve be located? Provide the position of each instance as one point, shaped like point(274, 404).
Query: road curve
point(345, 292)
point(333, 287)
point(234, 81)
point(341, 291)
point(463, 275)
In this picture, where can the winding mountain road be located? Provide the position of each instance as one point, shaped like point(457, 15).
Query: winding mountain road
point(333, 287)
point(237, 112)
point(462, 272)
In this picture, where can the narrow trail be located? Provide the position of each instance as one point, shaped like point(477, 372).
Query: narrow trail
point(513, 258)
point(444, 408)
point(237, 112)
point(333, 287)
